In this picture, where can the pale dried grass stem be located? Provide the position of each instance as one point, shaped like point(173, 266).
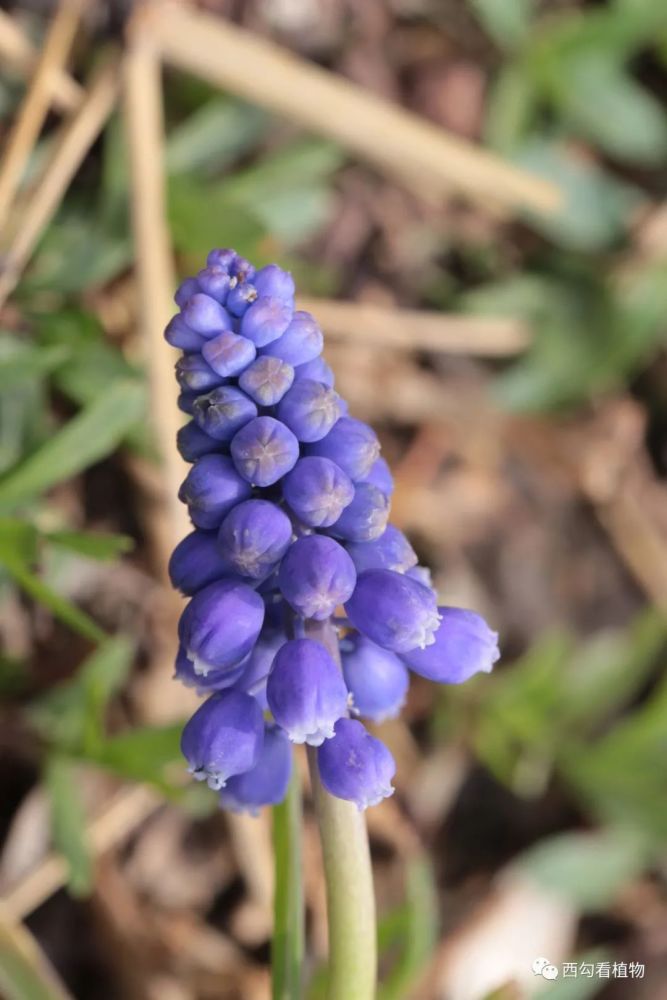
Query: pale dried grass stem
point(124, 812)
point(415, 330)
point(71, 147)
point(37, 101)
point(153, 259)
point(20, 55)
point(398, 142)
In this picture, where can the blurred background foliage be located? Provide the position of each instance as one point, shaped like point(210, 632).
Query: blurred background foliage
point(564, 746)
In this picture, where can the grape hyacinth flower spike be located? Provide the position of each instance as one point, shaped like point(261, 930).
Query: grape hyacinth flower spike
point(289, 500)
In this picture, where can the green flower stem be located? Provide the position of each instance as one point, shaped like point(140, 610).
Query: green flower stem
point(288, 933)
point(349, 878)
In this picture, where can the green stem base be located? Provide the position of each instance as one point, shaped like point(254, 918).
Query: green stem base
point(348, 875)
point(288, 934)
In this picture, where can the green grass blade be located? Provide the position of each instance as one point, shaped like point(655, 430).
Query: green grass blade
point(68, 822)
point(60, 607)
point(287, 948)
point(91, 435)
point(94, 545)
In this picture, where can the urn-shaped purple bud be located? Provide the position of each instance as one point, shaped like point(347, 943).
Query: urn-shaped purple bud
point(254, 537)
point(266, 320)
point(264, 450)
point(186, 402)
point(376, 678)
point(275, 283)
point(240, 298)
point(194, 374)
point(222, 257)
point(220, 625)
point(267, 380)
point(355, 765)
point(241, 269)
point(464, 645)
point(317, 370)
point(351, 444)
point(179, 334)
point(380, 476)
point(206, 316)
point(391, 550)
point(192, 442)
point(228, 354)
point(266, 783)
point(224, 737)
point(306, 692)
point(315, 576)
point(223, 412)
point(365, 518)
point(318, 491)
point(310, 409)
point(300, 343)
point(185, 291)
point(196, 561)
point(214, 281)
point(211, 488)
point(393, 610)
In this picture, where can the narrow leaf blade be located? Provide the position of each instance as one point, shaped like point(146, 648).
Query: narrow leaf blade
point(68, 823)
point(95, 432)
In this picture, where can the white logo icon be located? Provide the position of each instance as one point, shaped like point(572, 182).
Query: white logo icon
point(543, 967)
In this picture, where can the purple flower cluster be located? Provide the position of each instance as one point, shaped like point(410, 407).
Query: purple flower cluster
point(289, 499)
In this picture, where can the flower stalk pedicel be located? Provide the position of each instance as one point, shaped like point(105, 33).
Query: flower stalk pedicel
point(290, 499)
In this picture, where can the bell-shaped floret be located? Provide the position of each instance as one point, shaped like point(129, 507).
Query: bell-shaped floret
point(315, 576)
point(228, 354)
point(197, 561)
point(254, 537)
point(355, 765)
point(351, 444)
point(211, 488)
point(267, 380)
point(300, 343)
point(393, 610)
point(194, 374)
point(376, 678)
point(306, 691)
point(224, 737)
point(310, 409)
point(266, 320)
point(206, 316)
point(223, 412)
point(192, 442)
point(464, 645)
point(264, 451)
point(318, 491)
point(220, 625)
point(266, 783)
point(391, 550)
point(365, 517)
